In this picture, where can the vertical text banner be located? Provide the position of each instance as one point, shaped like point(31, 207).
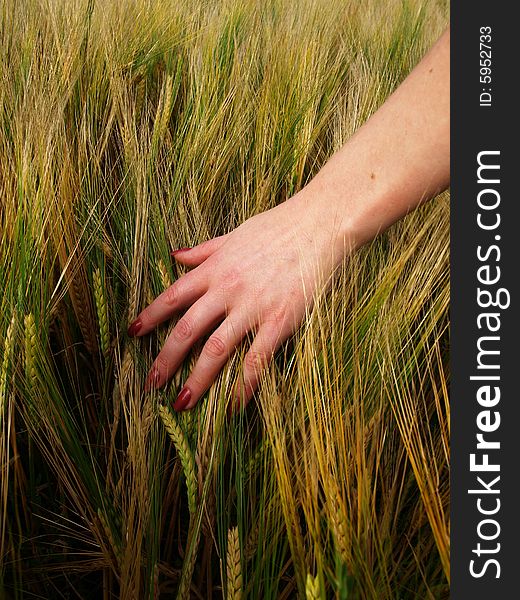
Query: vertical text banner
point(485, 259)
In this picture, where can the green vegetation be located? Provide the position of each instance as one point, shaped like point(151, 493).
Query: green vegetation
point(134, 127)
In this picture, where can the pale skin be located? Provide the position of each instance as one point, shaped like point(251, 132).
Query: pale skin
point(259, 279)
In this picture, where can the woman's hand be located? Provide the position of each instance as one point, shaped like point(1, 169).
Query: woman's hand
point(261, 277)
point(257, 279)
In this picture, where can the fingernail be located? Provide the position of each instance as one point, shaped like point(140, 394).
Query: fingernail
point(174, 252)
point(135, 327)
point(152, 380)
point(182, 399)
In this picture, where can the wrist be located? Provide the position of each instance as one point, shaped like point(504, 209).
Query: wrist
point(344, 210)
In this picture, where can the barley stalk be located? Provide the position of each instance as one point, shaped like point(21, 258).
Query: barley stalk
point(125, 373)
point(165, 276)
point(149, 295)
point(233, 568)
point(114, 545)
point(102, 312)
point(177, 378)
point(156, 588)
point(185, 454)
point(183, 592)
point(189, 421)
point(312, 588)
point(205, 432)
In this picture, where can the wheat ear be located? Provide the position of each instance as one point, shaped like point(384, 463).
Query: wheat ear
point(102, 311)
point(251, 546)
point(164, 109)
point(339, 523)
point(233, 568)
point(114, 545)
point(6, 358)
point(185, 454)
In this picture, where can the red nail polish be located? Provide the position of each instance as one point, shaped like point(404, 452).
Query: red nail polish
point(182, 399)
point(174, 252)
point(135, 327)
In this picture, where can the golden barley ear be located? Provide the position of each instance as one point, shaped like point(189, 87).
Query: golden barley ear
point(77, 286)
point(31, 341)
point(165, 276)
point(115, 545)
point(6, 359)
point(185, 454)
point(233, 566)
point(102, 311)
point(164, 108)
point(338, 521)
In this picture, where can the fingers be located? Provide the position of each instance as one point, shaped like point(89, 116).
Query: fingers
point(267, 341)
point(198, 320)
point(218, 350)
point(213, 357)
point(184, 292)
point(193, 257)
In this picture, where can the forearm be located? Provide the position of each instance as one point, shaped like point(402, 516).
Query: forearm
point(262, 276)
point(397, 160)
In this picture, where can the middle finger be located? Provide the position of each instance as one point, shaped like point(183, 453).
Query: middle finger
point(195, 323)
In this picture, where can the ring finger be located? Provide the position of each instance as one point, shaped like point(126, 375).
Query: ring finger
point(215, 353)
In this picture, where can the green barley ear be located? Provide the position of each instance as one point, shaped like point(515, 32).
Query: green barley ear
point(31, 341)
point(312, 588)
point(102, 311)
point(185, 454)
point(233, 567)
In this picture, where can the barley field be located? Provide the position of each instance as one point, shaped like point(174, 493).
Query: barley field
point(133, 127)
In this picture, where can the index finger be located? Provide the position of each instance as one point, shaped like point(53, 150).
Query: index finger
point(180, 295)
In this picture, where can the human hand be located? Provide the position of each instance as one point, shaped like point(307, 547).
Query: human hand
point(260, 279)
